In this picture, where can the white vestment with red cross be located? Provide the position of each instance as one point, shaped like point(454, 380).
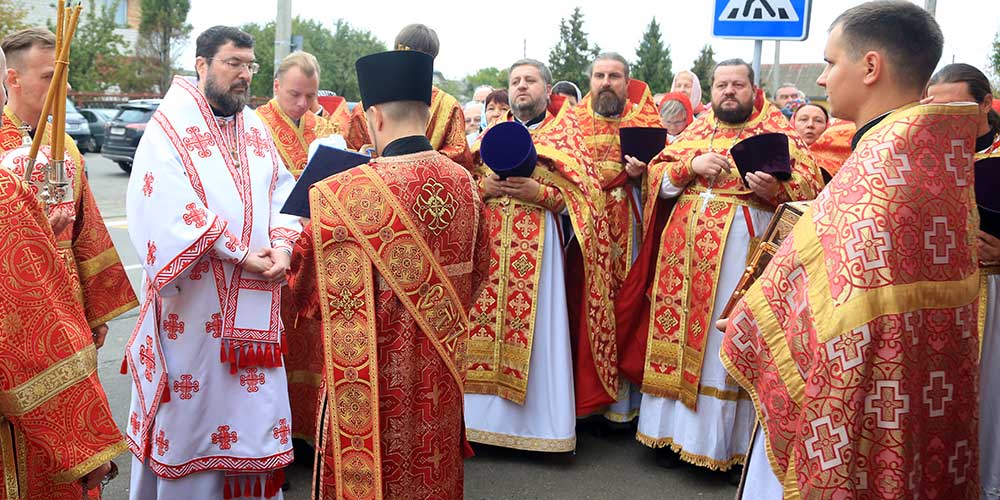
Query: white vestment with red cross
point(209, 387)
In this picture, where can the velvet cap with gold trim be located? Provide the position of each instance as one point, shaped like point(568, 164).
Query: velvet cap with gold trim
point(398, 75)
point(642, 143)
point(507, 148)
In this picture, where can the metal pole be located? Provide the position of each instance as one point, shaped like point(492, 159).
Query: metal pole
point(282, 32)
point(930, 6)
point(776, 69)
point(758, 46)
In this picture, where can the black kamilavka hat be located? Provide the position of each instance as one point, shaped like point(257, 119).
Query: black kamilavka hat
point(398, 75)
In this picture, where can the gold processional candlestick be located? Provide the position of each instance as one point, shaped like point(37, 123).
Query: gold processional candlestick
point(55, 105)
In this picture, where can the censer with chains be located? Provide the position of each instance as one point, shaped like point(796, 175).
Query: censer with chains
point(46, 169)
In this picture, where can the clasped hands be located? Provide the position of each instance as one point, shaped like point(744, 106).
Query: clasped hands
point(710, 165)
point(521, 188)
point(272, 263)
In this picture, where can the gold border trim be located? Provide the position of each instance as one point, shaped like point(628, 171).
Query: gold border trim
point(92, 267)
point(95, 461)
point(48, 383)
point(520, 442)
point(691, 458)
point(10, 468)
point(113, 314)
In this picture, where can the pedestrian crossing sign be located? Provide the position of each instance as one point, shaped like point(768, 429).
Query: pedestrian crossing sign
point(762, 19)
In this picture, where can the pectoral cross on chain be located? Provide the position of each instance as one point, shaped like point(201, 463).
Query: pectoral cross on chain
point(706, 196)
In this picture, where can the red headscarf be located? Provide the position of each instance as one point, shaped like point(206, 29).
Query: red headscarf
point(684, 100)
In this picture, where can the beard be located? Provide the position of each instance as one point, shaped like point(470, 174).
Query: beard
point(227, 101)
point(608, 103)
point(739, 114)
point(526, 110)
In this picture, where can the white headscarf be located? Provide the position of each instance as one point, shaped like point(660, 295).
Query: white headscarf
point(695, 87)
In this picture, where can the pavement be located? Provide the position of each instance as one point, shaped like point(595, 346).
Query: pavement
point(605, 466)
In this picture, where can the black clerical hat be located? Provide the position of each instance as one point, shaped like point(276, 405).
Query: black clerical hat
point(766, 153)
point(398, 75)
point(508, 150)
point(987, 187)
point(642, 143)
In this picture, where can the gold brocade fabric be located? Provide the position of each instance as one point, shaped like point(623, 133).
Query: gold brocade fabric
point(55, 423)
point(100, 279)
point(858, 342)
point(503, 317)
point(682, 297)
point(601, 134)
point(446, 129)
point(293, 140)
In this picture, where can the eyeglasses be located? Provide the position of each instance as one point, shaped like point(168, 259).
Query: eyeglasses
point(237, 65)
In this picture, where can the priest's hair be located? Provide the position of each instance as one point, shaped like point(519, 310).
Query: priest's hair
point(406, 111)
point(305, 61)
point(974, 80)
point(609, 56)
point(907, 36)
point(420, 38)
point(17, 44)
point(735, 62)
point(542, 68)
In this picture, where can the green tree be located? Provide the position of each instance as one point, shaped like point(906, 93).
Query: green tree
point(163, 30)
point(494, 77)
point(995, 61)
point(96, 48)
point(653, 64)
point(13, 18)
point(336, 52)
point(572, 55)
point(703, 67)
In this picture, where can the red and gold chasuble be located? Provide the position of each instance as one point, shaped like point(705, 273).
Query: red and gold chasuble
point(603, 142)
point(394, 247)
point(446, 129)
point(336, 112)
point(293, 140)
point(55, 423)
point(85, 244)
point(666, 320)
point(304, 360)
point(858, 342)
point(833, 146)
point(504, 314)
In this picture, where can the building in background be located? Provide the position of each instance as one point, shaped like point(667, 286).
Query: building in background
point(128, 13)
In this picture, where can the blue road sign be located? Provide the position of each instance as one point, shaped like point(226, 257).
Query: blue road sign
point(762, 19)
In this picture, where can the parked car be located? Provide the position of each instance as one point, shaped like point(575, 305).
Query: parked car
point(125, 129)
point(97, 118)
point(78, 129)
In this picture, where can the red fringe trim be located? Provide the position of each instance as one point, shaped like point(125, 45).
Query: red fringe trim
point(124, 368)
point(262, 354)
point(166, 395)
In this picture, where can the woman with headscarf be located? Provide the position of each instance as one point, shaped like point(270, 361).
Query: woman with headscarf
point(687, 82)
point(568, 89)
point(675, 114)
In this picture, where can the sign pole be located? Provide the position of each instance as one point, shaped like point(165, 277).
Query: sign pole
point(758, 46)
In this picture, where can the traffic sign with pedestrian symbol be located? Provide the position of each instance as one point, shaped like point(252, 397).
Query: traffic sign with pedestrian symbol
point(762, 19)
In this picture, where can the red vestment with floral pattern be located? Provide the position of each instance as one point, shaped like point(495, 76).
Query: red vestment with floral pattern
point(55, 423)
point(504, 314)
point(446, 129)
point(858, 343)
point(86, 245)
point(389, 265)
point(666, 305)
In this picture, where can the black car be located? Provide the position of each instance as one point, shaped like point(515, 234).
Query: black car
point(97, 118)
point(123, 132)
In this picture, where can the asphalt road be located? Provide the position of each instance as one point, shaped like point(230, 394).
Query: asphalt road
point(604, 467)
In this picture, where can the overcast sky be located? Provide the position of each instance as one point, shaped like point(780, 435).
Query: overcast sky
point(479, 34)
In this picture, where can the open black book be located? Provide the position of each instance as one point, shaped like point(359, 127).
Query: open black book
point(325, 162)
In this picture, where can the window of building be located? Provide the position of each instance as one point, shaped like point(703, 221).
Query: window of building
point(120, 10)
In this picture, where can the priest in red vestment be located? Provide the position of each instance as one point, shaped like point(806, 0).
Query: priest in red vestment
point(525, 384)
point(858, 343)
point(333, 108)
point(389, 263)
point(683, 278)
point(293, 128)
point(57, 434)
point(614, 101)
point(85, 243)
point(446, 128)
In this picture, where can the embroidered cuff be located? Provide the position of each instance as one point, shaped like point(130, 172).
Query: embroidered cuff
point(550, 198)
point(680, 172)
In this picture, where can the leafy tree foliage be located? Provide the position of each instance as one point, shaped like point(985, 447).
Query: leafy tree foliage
point(703, 67)
point(572, 55)
point(653, 64)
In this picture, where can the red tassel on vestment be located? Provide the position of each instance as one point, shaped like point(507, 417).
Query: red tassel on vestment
point(256, 487)
point(166, 395)
point(124, 368)
point(227, 491)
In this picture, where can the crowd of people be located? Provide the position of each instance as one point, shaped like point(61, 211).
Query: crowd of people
point(498, 272)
